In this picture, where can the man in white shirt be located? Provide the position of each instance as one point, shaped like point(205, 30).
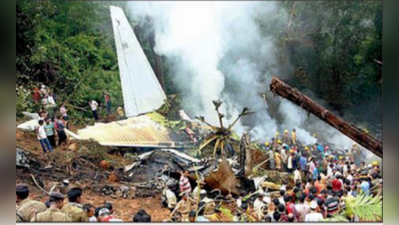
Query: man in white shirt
point(93, 105)
point(197, 189)
point(51, 101)
point(289, 161)
point(350, 177)
point(302, 209)
point(297, 174)
point(313, 216)
point(170, 198)
point(330, 174)
point(42, 137)
point(258, 204)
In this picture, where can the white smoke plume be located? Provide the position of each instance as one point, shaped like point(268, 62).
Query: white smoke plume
point(296, 117)
point(218, 51)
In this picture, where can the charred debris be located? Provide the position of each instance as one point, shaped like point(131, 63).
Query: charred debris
point(156, 147)
point(212, 154)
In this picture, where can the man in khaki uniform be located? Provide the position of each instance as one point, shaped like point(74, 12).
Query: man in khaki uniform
point(209, 204)
point(184, 207)
point(26, 208)
point(74, 208)
point(53, 214)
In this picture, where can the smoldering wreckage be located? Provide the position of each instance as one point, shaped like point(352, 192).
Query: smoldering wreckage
point(226, 164)
point(223, 161)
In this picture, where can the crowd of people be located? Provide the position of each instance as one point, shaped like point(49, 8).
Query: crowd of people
point(56, 210)
point(325, 181)
point(53, 121)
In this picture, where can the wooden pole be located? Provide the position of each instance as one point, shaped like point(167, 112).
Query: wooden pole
point(284, 90)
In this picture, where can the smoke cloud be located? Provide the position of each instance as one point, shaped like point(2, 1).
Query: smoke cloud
point(219, 51)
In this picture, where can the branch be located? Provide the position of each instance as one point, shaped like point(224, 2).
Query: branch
point(377, 61)
point(292, 15)
point(34, 180)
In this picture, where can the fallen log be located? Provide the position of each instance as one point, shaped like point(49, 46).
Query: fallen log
point(284, 90)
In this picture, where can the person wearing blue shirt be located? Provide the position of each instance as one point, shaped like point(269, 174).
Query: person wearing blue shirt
point(320, 148)
point(315, 173)
point(303, 162)
point(365, 186)
point(294, 161)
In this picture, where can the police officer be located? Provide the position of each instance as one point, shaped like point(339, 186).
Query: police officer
point(74, 208)
point(26, 208)
point(53, 214)
point(209, 203)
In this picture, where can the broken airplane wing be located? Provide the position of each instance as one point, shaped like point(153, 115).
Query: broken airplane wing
point(138, 131)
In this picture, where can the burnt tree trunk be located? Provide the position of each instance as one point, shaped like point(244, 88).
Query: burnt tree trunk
point(245, 156)
point(284, 90)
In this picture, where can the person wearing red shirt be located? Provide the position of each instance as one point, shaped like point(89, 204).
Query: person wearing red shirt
point(290, 207)
point(323, 195)
point(336, 184)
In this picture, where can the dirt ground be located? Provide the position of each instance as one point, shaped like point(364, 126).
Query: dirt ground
point(124, 209)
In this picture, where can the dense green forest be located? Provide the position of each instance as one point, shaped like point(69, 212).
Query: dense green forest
point(333, 49)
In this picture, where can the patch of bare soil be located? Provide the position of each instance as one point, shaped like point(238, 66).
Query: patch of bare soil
point(82, 166)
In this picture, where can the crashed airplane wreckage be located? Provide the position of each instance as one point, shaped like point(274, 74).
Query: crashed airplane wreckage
point(152, 170)
point(140, 131)
point(235, 164)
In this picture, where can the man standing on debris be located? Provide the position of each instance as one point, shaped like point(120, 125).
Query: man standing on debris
point(74, 208)
point(26, 208)
point(120, 113)
point(293, 136)
point(283, 154)
point(50, 132)
point(64, 114)
point(53, 214)
point(42, 137)
point(94, 105)
point(278, 160)
point(286, 138)
point(184, 183)
point(271, 158)
point(107, 98)
point(60, 127)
